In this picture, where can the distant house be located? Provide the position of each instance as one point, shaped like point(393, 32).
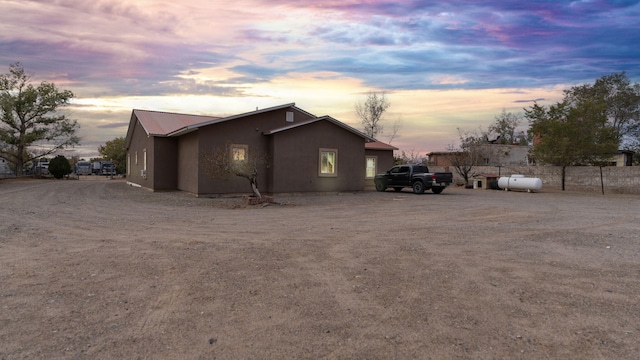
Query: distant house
point(487, 155)
point(306, 153)
point(622, 158)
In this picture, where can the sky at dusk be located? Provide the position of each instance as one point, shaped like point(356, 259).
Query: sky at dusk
point(442, 64)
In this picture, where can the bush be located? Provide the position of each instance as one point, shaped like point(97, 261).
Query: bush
point(59, 166)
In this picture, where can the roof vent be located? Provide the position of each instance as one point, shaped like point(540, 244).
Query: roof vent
point(289, 116)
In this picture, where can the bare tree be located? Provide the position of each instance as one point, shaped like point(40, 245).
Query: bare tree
point(229, 160)
point(395, 127)
point(468, 154)
point(409, 157)
point(371, 113)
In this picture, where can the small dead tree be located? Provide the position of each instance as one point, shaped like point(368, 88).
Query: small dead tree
point(235, 160)
point(468, 154)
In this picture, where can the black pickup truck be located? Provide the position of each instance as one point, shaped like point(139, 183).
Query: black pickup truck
point(415, 176)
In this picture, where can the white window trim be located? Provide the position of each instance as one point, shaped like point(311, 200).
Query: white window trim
point(335, 164)
point(239, 146)
point(375, 166)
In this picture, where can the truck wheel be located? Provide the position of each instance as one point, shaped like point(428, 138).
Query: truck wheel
point(418, 187)
point(437, 190)
point(397, 189)
point(380, 186)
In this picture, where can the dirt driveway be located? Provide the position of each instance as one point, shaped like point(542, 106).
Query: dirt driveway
point(99, 270)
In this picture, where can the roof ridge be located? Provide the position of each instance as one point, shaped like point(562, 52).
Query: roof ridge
point(178, 113)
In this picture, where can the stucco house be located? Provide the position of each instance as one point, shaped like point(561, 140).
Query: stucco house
point(306, 153)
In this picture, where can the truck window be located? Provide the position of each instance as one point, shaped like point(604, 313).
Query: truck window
point(404, 169)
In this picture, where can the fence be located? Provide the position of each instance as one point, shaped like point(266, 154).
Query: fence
point(620, 180)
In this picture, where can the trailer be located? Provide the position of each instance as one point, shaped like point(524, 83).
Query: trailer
point(103, 168)
point(83, 168)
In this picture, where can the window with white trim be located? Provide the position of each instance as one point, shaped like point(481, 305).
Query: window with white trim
point(239, 152)
point(328, 162)
point(371, 166)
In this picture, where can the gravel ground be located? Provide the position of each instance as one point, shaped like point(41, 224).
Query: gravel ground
point(100, 270)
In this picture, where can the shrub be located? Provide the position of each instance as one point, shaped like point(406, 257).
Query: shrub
point(59, 166)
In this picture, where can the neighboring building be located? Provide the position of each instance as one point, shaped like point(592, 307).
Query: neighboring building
point(442, 158)
point(306, 153)
point(505, 155)
point(622, 158)
point(488, 155)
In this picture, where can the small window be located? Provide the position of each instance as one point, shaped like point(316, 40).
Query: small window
point(371, 166)
point(144, 160)
point(239, 152)
point(328, 162)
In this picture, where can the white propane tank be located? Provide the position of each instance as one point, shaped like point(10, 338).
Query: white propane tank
point(519, 182)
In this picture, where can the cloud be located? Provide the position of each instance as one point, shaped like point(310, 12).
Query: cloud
point(113, 125)
point(121, 53)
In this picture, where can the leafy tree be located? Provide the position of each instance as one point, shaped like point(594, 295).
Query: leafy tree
point(30, 125)
point(226, 161)
point(572, 133)
point(114, 151)
point(504, 129)
point(371, 114)
point(621, 101)
point(59, 166)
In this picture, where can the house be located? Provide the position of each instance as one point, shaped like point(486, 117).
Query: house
point(306, 153)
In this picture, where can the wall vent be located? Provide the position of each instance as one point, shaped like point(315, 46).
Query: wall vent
point(289, 116)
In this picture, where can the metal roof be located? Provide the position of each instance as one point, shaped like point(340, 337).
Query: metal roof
point(157, 123)
point(379, 145)
point(193, 127)
point(326, 117)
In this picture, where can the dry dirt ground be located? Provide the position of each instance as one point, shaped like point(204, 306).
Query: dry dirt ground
point(101, 270)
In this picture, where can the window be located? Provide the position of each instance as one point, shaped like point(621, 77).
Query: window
point(144, 160)
point(371, 166)
point(239, 152)
point(328, 162)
